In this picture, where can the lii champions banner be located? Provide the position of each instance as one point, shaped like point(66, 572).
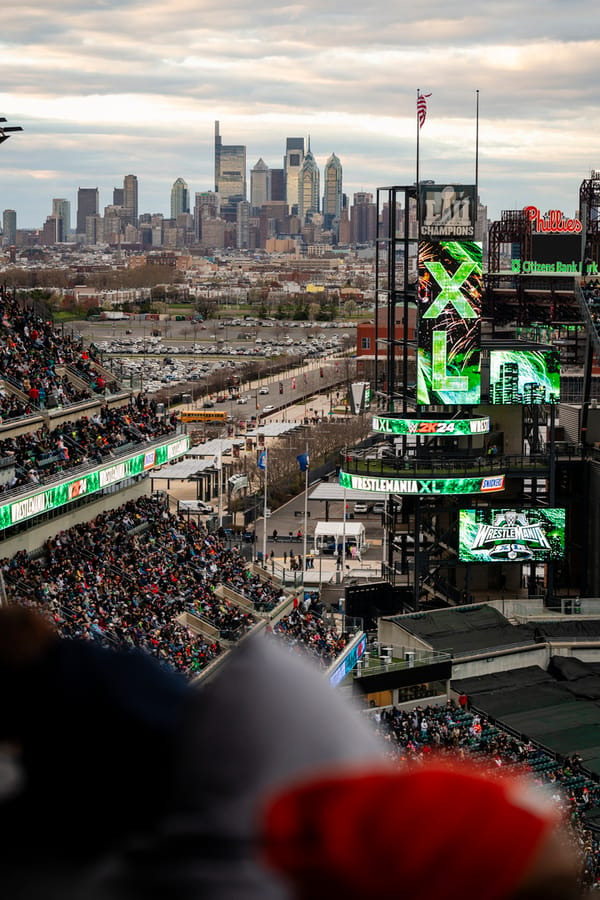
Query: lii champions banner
point(511, 535)
point(449, 328)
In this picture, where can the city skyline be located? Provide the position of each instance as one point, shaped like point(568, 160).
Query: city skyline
point(104, 91)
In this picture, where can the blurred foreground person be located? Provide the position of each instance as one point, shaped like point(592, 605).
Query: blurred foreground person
point(135, 785)
point(437, 831)
point(91, 734)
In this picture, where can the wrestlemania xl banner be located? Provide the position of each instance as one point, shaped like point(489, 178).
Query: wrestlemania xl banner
point(450, 287)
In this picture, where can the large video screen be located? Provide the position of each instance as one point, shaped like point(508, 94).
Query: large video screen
point(511, 535)
point(449, 328)
point(524, 376)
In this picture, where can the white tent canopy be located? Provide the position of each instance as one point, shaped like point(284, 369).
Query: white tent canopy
point(335, 532)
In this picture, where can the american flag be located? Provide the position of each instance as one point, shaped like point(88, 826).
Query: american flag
point(422, 107)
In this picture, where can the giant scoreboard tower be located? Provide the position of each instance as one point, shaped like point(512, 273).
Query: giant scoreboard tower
point(466, 415)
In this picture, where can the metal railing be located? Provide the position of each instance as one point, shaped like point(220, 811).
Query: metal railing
point(419, 467)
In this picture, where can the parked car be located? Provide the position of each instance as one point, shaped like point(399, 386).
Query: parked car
point(379, 507)
point(361, 507)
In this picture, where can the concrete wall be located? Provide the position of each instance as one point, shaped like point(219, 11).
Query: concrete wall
point(505, 661)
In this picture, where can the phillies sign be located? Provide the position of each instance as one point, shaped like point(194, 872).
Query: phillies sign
point(552, 223)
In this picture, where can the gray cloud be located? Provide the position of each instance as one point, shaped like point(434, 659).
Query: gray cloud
point(111, 88)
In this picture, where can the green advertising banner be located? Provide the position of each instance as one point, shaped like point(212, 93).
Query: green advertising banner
point(393, 425)
point(41, 501)
point(393, 485)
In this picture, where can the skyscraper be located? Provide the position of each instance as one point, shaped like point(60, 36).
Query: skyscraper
point(180, 198)
point(9, 228)
point(207, 206)
point(277, 185)
point(363, 218)
point(260, 186)
point(243, 225)
point(332, 191)
point(61, 210)
point(292, 163)
point(130, 197)
point(308, 187)
point(88, 204)
point(230, 175)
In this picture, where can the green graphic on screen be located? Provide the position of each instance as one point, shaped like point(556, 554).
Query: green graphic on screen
point(449, 330)
point(524, 376)
point(511, 535)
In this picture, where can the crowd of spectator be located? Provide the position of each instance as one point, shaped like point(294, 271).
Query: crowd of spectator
point(412, 735)
point(42, 455)
point(34, 357)
point(306, 632)
point(125, 577)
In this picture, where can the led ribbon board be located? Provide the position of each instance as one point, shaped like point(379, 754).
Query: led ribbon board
point(511, 535)
point(449, 329)
point(392, 425)
point(41, 501)
point(524, 376)
point(392, 485)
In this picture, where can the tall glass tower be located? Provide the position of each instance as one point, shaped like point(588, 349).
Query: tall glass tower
point(130, 197)
point(292, 163)
point(61, 210)
point(230, 175)
point(332, 191)
point(308, 188)
point(180, 198)
point(88, 204)
point(9, 228)
point(260, 186)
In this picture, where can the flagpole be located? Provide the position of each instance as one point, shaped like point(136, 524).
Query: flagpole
point(477, 156)
point(305, 520)
point(418, 130)
point(265, 511)
point(220, 485)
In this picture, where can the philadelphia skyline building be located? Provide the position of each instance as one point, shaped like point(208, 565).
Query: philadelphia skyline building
point(61, 211)
point(9, 227)
point(308, 187)
point(180, 198)
point(88, 204)
point(260, 186)
point(230, 175)
point(130, 198)
point(292, 164)
point(332, 191)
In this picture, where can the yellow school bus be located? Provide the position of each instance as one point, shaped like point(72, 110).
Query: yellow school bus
point(204, 415)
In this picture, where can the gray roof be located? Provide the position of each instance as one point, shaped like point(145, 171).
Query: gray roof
point(331, 490)
point(183, 470)
point(466, 629)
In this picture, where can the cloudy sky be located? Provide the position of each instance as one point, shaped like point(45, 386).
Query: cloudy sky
point(113, 87)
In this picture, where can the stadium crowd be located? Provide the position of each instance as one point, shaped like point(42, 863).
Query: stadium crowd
point(305, 631)
point(125, 577)
point(33, 359)
point(43, 455)
point(413, 735)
